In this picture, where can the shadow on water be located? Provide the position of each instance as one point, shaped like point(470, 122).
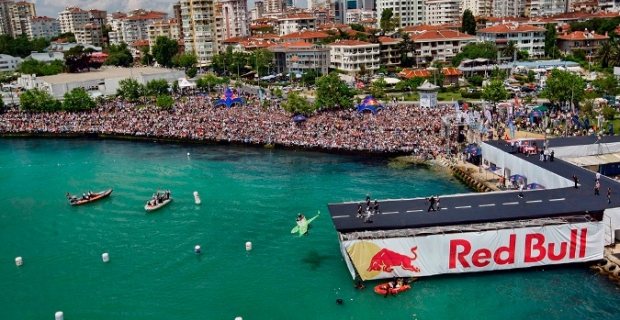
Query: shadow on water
point(314, 259)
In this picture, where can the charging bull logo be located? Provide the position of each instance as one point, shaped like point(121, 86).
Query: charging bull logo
point(387, 259)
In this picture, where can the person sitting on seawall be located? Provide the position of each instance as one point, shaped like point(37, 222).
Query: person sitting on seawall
point(84, 196)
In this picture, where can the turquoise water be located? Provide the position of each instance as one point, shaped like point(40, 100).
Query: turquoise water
point(248, 194)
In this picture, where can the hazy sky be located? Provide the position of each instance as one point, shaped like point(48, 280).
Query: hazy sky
point(51, 8)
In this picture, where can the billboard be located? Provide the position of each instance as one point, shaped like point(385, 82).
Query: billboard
point(474, 251)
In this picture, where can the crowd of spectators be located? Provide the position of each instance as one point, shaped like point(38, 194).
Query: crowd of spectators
point(396, 129)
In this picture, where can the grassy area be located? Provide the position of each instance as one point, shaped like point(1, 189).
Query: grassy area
point(449, 96)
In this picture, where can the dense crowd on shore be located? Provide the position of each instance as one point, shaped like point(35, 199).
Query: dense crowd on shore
point(396, 129)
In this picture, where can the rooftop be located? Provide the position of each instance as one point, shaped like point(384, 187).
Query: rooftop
point(103, 73)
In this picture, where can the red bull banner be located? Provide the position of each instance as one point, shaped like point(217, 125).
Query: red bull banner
point(474, 251)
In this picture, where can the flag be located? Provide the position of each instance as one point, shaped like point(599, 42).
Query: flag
point(260, 94)
point(487, 114)
point(511, 126)
point(516, 101)
point(456, 107)
point(465, 106)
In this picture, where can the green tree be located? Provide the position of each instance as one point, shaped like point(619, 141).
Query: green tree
point(239, 61)
point(498, 73)
point(164, 102)
point(164, 49)
point(468, 24)
point(309, 77)
point(332, 93)
point(357, 27)
point(77, 59)
point(563, 87)
point(185, 60)
point(78, 100)
point(608, 53)
point(157, 87)
point(405, 47)
point(550, 40)
point(386, 23)
point(119, 55)
point(38, 100)
point(191, 72)
point(511, 49)
point(147, 58)
point(494, 92)
point(207, 81)
point(260, 60)
point(68, 36)
point(378, 88)
point(606, 84)
point(31, 66)
point(486, 50)
point(475, 80)
point(531, 76)
point(129, 89)
point(298, 104)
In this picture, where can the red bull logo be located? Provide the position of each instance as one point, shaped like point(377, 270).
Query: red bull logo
point(385, 260)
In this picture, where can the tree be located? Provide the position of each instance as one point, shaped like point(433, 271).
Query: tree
point(495, 92)
point(487, 50)
point(164, 49)
point(239, 61)
point(511, 49)
point(388, 21)
point(119, 55)
point(309, 77)
point(606, 85)
point(78, 59)
point(191, 72)
point(38, 100)
point(563, 87)
point(129, 89)
point(78, 100)
point(185, 60)
point(357, 27)
point(164, 102)
point(531, 76)
point(208, 81)
point(296, 103)
point(550, 40)
point(468, 24)
point(378, 87)
point(157, 87)
point(607, 54)
point(405, 47)
point(147, 57)
point(32, 66)
point(332, 93)
point(260, 60)
point(475, 80)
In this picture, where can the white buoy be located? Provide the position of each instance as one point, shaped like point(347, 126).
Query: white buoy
point(238, 318)
point(19, 261)
point(188, 154)
point(105, 257)
point(59, 315)
point(248, 246)
point(197, 197)
point(197, 249)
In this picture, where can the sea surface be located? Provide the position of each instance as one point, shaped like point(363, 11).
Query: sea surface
point(248, 194)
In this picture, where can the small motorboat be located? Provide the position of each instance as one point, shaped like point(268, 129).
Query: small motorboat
point(75, 201)
point(152, 207)
point(384, 287)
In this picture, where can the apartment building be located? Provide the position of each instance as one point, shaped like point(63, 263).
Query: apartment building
point(389, 51)
point(5, 25)
point(438, 45)
point(169, 29)
point(410, 12)
point(353, 56)
point(539, 8)
point(273, 5)
point(296, 22)
point(358, 16)
point(507, 8)
point(527, 37)
point(89, 33)
point(19, 15)
point(477, 7)
point(588, 41)
point(307, 36)
point(442, 11)
point(98, 17)
point(8, 63)
point(43, 27)
point(199, 29)
point(300, 57)
point(73, 18)
point(135, 26)
point(234, 18)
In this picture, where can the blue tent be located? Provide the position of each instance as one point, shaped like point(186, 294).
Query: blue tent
point(535, 186)
point(473, 149)
point(299, 118)
point(369, 104)
point(228, 99)
point(517, 177)
point(536, 114)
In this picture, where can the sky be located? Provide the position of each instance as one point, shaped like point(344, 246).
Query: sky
point(51, 8)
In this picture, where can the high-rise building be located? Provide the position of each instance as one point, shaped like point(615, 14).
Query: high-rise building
point(273, 5)
point(19, 15)
point(478, 7)
point(442, 11)
point(234, 18)
point(169, 29)
point(199, 29)
point(410, 12)
point(540, 8)
point(135, 26)
point(43, 27)
point(98, 17)
point(176, 10)
point(73, 18)
point(507, 8)
point(5, 24)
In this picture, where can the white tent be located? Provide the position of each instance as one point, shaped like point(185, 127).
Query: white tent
point(387, 80)
point(184, 83)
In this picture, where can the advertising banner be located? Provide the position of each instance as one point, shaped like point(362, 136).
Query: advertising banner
point(475, 251)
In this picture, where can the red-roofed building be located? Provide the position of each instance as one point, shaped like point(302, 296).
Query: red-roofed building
point(89, 34)
point(438, 45)
point(296, 22)
point(353, 56)
point(134, 27)
point(305, 36)
point(333, 26)
point(43, 27)
point(390, 51)
point(300, 57)
point(451, 74)
point(527, 37)
point(580, 40)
